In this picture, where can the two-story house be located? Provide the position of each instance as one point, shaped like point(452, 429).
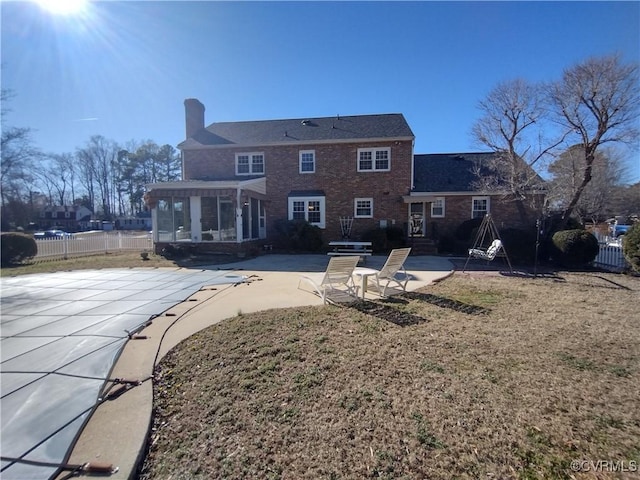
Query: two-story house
point(66, 217)
point(239, 178)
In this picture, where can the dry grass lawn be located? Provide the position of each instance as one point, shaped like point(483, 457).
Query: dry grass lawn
point(480, 376)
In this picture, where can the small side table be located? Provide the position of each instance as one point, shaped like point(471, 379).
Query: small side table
point(364, 273)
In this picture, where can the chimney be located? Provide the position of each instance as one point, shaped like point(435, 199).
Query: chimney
point(194, 116)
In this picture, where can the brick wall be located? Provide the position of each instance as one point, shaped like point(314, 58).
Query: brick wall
point(458, 209)
point(336, 174)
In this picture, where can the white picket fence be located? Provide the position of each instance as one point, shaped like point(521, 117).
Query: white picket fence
point(610, 256)
point(91, 243)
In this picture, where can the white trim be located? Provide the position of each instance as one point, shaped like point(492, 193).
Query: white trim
point(258, 185)
point(438, 199)
point(302, 152)
point(373, 151)
point(482, 197)
point(191, 144)
point(355, 207)
point(323, 210)
point(456, 194)
point(250, 157)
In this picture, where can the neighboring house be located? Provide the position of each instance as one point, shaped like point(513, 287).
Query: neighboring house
point(141, 221)
point(444, 195)
point(240, 178)
point(67, 217)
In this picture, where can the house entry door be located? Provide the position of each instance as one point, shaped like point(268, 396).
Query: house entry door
point(416, 220)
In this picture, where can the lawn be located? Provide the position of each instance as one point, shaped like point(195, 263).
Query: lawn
point(478, 376)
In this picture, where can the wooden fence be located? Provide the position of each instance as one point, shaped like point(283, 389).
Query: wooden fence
point(91, 243)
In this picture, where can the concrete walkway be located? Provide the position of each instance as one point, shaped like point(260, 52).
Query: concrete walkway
point(117, 430)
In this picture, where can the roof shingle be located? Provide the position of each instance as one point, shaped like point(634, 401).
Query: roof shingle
point(447, 172)
point(304, 130)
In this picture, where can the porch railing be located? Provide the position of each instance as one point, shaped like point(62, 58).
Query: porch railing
point(91, 243)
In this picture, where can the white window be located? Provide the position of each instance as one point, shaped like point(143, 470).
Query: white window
point(437, 208)
point(479, 207)
point(363, 207)
point(311, 209)
point(374, 159)
point(249, 163)
point(307, 161)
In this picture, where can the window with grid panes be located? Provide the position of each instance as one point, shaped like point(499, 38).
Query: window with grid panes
point(307, 161)
point(311, 209)
point(437, 207)
point(249, 163)
point(374, 159)
point(299, 210)
point(363, 208)
point(480, 207)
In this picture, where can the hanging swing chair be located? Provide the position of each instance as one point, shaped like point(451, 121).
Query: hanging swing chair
point(496, 248)
point(489, 254)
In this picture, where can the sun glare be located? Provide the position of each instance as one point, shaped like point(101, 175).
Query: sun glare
point(63, 7)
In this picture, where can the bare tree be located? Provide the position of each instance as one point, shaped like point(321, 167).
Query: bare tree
point(18, 156)
point(96, 160)
point(86, 178)
point(597, 201)
point(597, 102)
point(59, 177)
point(511, 125)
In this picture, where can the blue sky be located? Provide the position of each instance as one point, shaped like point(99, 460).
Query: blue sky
point(123, 69)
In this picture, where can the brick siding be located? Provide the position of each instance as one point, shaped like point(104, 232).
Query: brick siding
point(458, 209)
point(335, 173)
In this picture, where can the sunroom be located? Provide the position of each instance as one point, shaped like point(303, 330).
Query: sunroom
point(217, 212)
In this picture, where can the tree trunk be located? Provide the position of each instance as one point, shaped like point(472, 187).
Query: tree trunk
point(586, 178)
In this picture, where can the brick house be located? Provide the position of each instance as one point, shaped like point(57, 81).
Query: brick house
point(240, 178)
point(445, 194)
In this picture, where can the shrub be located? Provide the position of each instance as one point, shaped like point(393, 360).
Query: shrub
point(16, 248)
point(467, 230)
point(377, 237)
point(519, 244)
point(298, 235)
point(171, 252)
point(446, 244)
point(385, 239)
point(574, 248)
point(631, 247)
point(552, 224)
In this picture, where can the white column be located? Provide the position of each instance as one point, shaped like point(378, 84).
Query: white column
point(154, 223)
point(238, 216)
point(195, 204)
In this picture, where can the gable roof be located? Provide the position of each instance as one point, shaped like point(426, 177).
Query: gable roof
point(448, 172)
point(302, 130)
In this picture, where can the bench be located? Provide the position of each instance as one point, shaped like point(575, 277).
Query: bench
point(345, 248)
